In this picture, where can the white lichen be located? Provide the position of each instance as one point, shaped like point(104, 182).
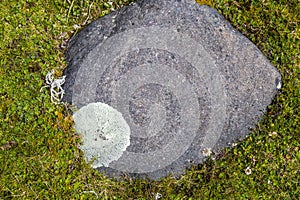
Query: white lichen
point(157, 196)
point(248, 171)
point(279, 85)
point(105, 133)
point(56, 90)
point(207, 152)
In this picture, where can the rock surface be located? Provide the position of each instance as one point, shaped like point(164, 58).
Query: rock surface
point(183, 78)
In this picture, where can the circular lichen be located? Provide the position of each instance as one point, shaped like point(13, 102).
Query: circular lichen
point(105, 133)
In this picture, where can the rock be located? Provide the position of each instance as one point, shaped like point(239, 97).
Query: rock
point(184, 79)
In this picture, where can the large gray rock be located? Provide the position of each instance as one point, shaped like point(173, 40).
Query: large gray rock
point(183, 78)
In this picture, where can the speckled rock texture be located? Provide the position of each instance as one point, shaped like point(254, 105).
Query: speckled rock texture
point(183, 78)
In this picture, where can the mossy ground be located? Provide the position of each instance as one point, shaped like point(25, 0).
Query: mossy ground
point(39, 158)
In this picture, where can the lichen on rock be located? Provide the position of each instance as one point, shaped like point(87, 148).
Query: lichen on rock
point(105, 133)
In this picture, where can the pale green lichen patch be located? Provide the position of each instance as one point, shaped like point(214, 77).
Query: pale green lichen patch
point(105, 133)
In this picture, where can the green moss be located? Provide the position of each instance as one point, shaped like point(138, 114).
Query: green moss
point(38, 153)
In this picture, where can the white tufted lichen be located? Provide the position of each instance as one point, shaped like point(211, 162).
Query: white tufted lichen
point(105, 133)
point(56, 90)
